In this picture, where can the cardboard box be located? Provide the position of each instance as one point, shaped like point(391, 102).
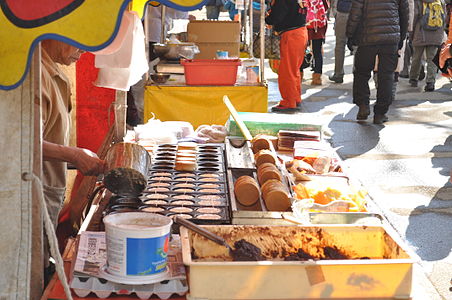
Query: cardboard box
point(211, 36)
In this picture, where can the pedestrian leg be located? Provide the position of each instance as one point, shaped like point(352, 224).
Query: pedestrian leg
point(339, 49)
point(430, 52)
point(416, 65)
point(387, 64)
point(363, 66)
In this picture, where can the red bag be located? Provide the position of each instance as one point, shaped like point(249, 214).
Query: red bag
point(316, 16)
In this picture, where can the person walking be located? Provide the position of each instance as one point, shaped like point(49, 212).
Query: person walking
point(341, 10)
point(288, 18)
point(377, 27)
point(316, 22)
point(428, 34)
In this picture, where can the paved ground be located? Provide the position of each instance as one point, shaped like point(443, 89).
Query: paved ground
point(404, 164)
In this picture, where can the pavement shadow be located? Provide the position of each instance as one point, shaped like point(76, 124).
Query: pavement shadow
point(429, 226)
point(353, 138)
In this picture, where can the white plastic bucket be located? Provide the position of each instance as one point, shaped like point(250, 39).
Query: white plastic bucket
point(137, 244)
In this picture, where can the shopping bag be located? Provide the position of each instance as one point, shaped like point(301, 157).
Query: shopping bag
point(307, 61)
point(271, 48)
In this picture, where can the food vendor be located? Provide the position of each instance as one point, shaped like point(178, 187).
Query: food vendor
point(56, 107)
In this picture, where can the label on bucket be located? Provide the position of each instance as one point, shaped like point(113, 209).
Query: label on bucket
point(252, 74)
point(146, 256)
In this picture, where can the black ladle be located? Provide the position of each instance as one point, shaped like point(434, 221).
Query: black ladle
point(244, 251)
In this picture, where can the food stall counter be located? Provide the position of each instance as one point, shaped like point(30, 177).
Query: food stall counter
point(199, 105)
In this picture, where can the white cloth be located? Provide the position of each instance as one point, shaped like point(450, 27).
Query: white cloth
point(126, 22)
point(125, 67)
point(154, 21)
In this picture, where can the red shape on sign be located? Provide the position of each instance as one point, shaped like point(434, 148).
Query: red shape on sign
point(34, 13)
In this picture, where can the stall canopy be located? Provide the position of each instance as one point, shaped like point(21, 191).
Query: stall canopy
point(89, 25)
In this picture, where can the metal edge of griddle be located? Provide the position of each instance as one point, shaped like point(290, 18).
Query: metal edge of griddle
point(314, 218)
point(244, 152)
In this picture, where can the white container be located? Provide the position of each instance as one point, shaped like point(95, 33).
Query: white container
point(137, 246)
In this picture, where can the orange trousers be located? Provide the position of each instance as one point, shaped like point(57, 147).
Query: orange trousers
point(292, 49)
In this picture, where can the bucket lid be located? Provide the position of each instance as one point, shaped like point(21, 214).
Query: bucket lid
point(131, 279)
point(141, 220)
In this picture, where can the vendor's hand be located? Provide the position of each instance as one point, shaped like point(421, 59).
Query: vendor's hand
point(87, 162)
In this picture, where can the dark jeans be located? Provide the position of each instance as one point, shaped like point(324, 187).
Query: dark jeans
point(363, 66)
point(318, 55)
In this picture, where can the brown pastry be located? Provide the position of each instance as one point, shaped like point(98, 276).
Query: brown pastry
point(182, 202)
point(184, 190)
point(186, 146)
point(152, 209)
point(209, 185)
point(275, 196)
point(185, 156)
point(264, 156)
point(184, 216)
point(186, 175)
point(209, 191)
point(268, 171)
point(209, 210)
point(161, 178)
point(166, 174)
point(158, 189)
point(209, 175)
point(184, 185)
point(183, 151)
point(156, 196)
point(246, 190)
point(156, 202)
point(184, 165)
point(183, 197)
point(159, 184)
point(208, 217)
point(209, 197)
point(260, 142)
point(185, 179)
point(209, 202)
point(181, 209)
point(209, 179)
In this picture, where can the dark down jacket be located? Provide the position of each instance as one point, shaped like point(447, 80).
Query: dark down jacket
point(377, 22)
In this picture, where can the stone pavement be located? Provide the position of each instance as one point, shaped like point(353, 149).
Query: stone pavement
point(404, 164)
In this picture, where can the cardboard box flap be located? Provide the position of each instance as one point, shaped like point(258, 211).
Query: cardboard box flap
point(213, 31)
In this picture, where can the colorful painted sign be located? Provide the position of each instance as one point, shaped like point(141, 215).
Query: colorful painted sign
point(90, 25)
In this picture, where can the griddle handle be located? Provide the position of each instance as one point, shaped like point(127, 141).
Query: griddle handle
point(204, 232)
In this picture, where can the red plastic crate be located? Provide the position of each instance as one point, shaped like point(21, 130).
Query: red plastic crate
point(210, 71)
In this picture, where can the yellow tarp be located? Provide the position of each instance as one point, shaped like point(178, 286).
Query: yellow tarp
point(201, 105)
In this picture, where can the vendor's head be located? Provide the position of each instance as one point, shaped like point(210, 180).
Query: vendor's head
point(61, 52)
